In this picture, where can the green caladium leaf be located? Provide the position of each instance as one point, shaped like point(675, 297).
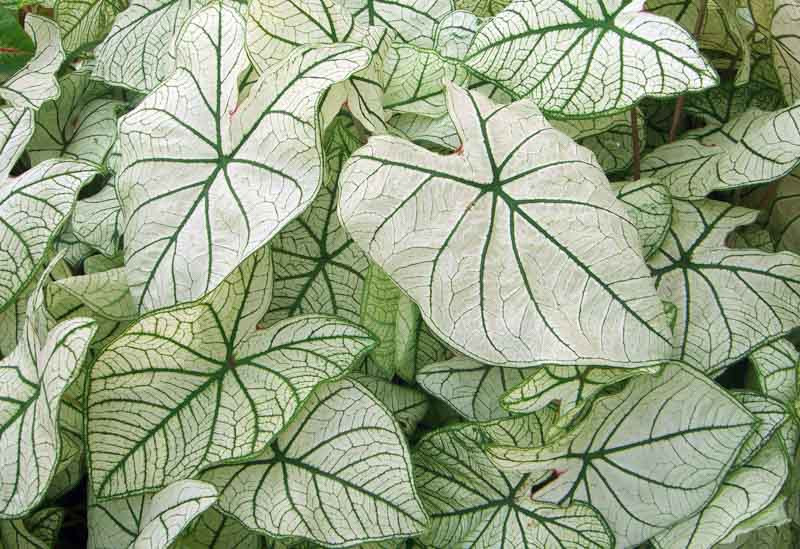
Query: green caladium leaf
point(646, 474)
point(470, 388)
point(342, 137)
point(81, 124)
point(426, 131)
point(152, 520)
point(571, 387)
point(613, 53)
point(379, 312)
point(34, 377)
point(744, 492)
point(727, 101)
point(755, 147)
point(483, 8)
point(33, 206)
point(275, 28)
point(343, 441)
point(468, 225)
point(415, 80)
point(229, 177)
point(84, 23)
point(37, 531)
point(765, 527)
point(35, 83)
point(213, 530)
point(16, 47)
point(776, 367)
point(204, 370)
point(781, 200)
point(137, 53)
point(318, 268)
point(770, 414)
point(472, 503)
point(413, 21)
point(729, 302)
point(786, 46)
point(649, 205)
point(407, 405)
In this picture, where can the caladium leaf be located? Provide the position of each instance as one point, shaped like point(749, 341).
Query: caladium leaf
point(781, 201)
point(36, 82)
point(213, 530)
point(203, 371)
point(744, 492)
point(81, 124)
point(97, 220)
point(221, 197)
point(727, 101)
point(33, 207)
point(764, 527)
point(34, 377)
point(275, 28)
point(413, 21)
point(650, 208)
point(37, 531)
point(16, 47)
point(645, 473)
point(85, 22)
point(379, 311)
point(148, 521)
point(483, 8)
point(770, 415)
point(756, 147)
point(598, 57)
point(137, 53)
point(343, 441)
point(472, 503)
point(318, 268)
point(481, 225)
point(407, 405)
point(786, 46)
point(776, 367)
point(470, 388)
point(434, 133)
point(728, 301)
point(455, 32)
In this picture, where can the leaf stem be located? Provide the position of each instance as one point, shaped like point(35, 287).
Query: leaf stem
point(637, 147)
point(677, 115)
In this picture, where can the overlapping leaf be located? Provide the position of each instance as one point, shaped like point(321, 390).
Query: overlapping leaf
point(204, 183)
point(589, 58)
point(413, 21)
point(786, 46)
point(343, 442)
point(85, 22)
point(466, 236)
point(650, 208)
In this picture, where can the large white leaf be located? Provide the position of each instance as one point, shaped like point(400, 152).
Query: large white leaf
point(137, 53)
point(516, 249)
point(81, 124)
point(36, 82)
point(204, 183)
point(413, 21)
point(339, 475)
point(85, 22)
point(32, 380)
point(648, 456)
point(755, 147)
point(148, 521)
point(194, 385)
point(470, 388)
point(589, 58)
point(472, 503)
point(728, 301)
point(744, 492)
point(786, 46)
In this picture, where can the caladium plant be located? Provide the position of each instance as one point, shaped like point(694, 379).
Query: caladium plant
point(399, 274)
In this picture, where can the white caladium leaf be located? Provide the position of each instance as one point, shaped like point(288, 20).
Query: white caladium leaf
point(764, 523)
point(413, 21)
point(744, 492)
point(318, 267)
point(466, 235)
point(455, 32)
point(343, 441)
point(483, 8)
point(786, 46)
point(148, 521)
point(770, 414)
point(728, 301)
point(97, 220)
point(571, 387)
point(470, 388)
point(756, 147)
point(407, 405)
point(597, 57)
point(415, 80)
point(83, 23)
point(137, 53)
point(33, 208)
point(228, 178)
point(275, 28)
point(37, 531)
point(776, 366)
point(34, 377)
point(204, 371)
point(646, 474)
point(650, 208)
point(472, 503)
point(727, 101)
point(81, 124)
point(36, 82)
point(213, 530)
point(426, 131)
point(16, 129)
